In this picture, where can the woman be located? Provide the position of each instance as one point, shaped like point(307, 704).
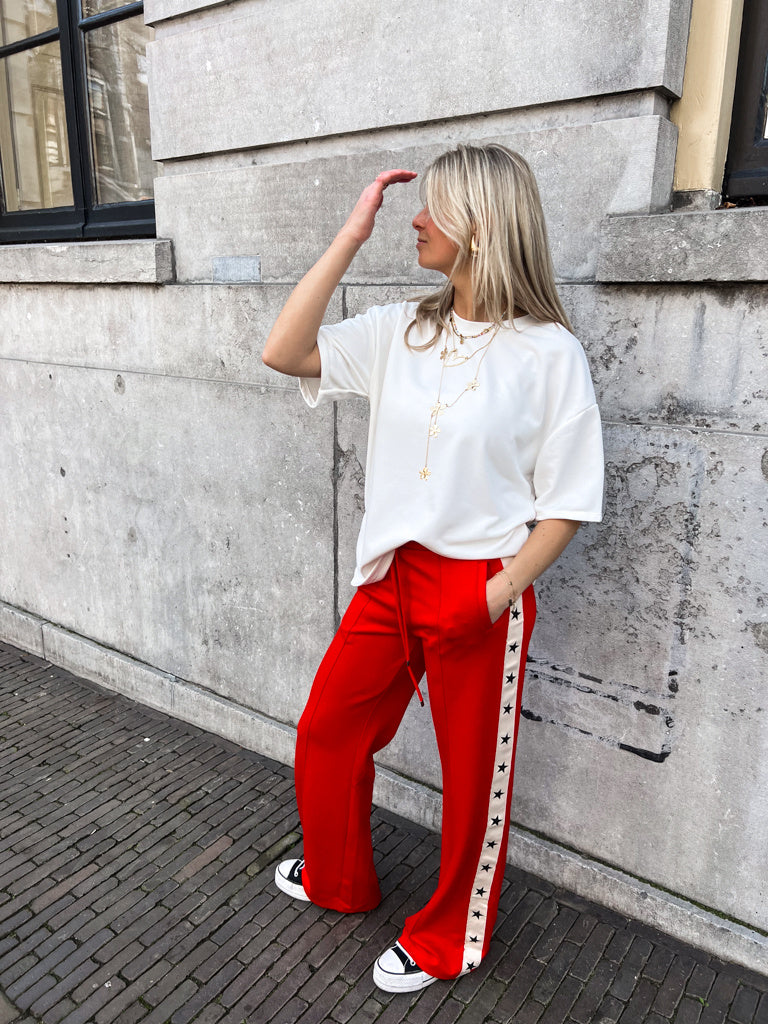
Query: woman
point(483, 421)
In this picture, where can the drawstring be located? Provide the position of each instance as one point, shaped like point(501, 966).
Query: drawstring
point(401, 623)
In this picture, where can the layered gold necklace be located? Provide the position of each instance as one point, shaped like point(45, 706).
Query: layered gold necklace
point(455, 357)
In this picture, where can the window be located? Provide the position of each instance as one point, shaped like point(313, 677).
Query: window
point(746, 169)
point(74, 124)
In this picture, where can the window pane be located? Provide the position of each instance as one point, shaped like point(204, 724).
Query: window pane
point(90, 7)
point(34, 151)
point(20, 19)
point(119, 111)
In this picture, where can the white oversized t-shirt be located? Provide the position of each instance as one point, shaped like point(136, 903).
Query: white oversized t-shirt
point(520, 444)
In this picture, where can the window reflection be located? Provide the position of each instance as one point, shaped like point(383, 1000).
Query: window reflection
point(34, 150)
point(119, 111)
point(90, 7)
point(20, 19)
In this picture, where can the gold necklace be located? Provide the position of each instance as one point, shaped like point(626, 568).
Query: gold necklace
point(440, 407)
point(462, 338)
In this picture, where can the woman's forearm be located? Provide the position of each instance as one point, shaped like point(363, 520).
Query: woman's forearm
point(292, 343)
point(544, 545)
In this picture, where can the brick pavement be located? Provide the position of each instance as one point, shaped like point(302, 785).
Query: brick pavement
point(136, 863)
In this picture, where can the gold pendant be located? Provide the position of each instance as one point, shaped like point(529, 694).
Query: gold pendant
point(424, 473)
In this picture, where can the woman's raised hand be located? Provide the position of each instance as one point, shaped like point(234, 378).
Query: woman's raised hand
point(359, 225)
point(292, 343)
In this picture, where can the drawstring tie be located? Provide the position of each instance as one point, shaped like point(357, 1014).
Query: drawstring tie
point(403, 633)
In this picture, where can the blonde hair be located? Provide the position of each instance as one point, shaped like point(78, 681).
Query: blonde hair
point(487, 195)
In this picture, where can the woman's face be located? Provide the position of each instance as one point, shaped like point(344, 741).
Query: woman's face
point(436, 250)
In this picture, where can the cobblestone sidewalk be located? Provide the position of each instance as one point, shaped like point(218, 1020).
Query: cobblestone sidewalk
point(136, 863)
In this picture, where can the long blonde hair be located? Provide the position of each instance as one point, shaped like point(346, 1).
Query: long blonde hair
point(488, 195)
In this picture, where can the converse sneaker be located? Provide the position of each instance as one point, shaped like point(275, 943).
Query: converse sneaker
point(288, 879)
point(394, 971)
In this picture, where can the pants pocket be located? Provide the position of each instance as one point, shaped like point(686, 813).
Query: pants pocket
point(489, 568)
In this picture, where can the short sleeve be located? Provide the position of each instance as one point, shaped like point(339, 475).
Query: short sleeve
point(348, 357)
point(569, 470)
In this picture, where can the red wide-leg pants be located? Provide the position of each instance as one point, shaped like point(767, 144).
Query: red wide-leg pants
point(362, 688)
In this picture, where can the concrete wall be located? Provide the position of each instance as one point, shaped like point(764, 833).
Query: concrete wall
point(182, 528)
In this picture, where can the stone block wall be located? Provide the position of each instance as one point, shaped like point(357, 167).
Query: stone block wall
point(182, 528)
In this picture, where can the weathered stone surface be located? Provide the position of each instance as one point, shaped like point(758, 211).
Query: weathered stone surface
point(186, 523)
point(666, 596)
point(137, 261)
point(343, 72)
point(712, 245)
point(236, 269)
point(289, 212)
point(677, 355)
point(212, 332)
point(349, 471)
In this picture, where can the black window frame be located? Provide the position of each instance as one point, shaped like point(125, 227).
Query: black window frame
point(86, 219)
point(746, 168)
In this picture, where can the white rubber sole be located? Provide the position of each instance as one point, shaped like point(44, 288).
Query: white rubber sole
point(395, 981)
point(284, 884)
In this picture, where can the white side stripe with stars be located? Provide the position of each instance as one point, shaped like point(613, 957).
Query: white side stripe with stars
point(474, 936)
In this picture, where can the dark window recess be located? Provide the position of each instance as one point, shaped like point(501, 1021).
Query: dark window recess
point(746, 169)
point(74, 122)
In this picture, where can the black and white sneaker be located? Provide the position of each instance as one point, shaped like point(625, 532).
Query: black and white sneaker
point(394, 971)
point(288, 879)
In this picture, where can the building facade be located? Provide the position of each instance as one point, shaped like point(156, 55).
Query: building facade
point(177, 526)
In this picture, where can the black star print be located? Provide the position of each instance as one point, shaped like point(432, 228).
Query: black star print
point(502, 767)
point(490, 844)
point(498, 794)
point(507, 708)
point(476, 913)
point(473, 938)
point(515, 613)
point(511, 677)
point(505, 739)
point(513, 647)
point(486, 867)
point(470, 966)
point(495, 821)
point(480, 892)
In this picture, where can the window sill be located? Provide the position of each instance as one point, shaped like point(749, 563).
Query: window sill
point(132, 261)
point(710, 245)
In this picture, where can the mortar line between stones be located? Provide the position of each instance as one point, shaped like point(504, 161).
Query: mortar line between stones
point(683, 426)
point(151, 373)
point(335, 480)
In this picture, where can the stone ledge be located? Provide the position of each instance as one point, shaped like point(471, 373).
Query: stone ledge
point(223, 56)
point(23, 629)
point(709, 245)
point(129, 261)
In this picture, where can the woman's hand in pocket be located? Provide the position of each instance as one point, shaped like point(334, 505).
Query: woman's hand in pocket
point(497, 595)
